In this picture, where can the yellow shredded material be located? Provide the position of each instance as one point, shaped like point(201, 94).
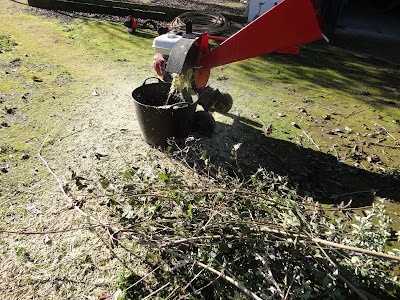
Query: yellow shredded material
point(180, 82)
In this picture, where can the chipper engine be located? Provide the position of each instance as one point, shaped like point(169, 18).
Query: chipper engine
point(287, 25)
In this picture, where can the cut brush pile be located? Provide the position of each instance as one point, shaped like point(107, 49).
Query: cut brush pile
point(225, 237)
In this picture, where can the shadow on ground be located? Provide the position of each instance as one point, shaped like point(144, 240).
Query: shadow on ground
point(352, 69)
point(311, 172)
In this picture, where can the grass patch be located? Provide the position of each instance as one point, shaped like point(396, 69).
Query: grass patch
point(7, 43)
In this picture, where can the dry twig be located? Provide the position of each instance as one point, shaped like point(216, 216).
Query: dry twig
point(310, 139)
point(212, 270)
point(387, 131)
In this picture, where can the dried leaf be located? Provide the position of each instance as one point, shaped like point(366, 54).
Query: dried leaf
point(36, 79)
point(331, 132)
point(268, 130)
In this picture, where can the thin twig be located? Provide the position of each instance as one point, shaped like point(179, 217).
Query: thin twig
point(352, 193)
point(383, 145)
point(71, 202)
point(212, 270)
point(207, 285)
point(310, 139)
point(193, 279)
point(337, 154)
point(288, 290)
point(195, 238)
point(339, 208)
point(387, 131)
point(173, 292)
point(141, 279)
point(155, 292)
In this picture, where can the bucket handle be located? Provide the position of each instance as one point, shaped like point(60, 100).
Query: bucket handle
point(179, 105)
point(145, 81)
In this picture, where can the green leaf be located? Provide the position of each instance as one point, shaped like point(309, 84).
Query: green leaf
point(128, 187)
point(104, 182)
point(163, 176)
point(245, 229)
point(128, 175)
point(223, 247)
point(326, 280)
point(189, 212)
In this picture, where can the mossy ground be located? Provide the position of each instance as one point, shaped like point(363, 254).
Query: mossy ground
point(327, 118)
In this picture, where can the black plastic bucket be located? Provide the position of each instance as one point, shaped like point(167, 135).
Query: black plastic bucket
point(157, 121)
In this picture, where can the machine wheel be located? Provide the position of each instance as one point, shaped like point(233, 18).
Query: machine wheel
point(223, 104)
point(213, 100)
point(203, 123)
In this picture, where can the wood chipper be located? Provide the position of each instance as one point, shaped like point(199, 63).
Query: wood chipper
point(282, 29)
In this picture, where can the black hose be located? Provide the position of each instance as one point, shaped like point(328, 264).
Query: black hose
point(148, 22)
point(203, 21)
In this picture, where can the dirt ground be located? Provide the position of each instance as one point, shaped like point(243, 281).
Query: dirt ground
point(69, 101)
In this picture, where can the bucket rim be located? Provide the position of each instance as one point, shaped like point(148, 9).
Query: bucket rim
point(163, 107)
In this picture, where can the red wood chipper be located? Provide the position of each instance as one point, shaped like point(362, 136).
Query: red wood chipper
point(281, 29)
point(160, 116)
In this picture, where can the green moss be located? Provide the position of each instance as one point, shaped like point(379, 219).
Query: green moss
point(7, 43)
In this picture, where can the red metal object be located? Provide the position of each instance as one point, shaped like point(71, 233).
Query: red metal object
point(217, 38)
point(201, 75)
point(288, 24)
point(201, 78)
point(134, 25)
point(159, 64)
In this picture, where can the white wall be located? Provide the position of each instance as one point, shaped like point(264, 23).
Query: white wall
point(256, 8)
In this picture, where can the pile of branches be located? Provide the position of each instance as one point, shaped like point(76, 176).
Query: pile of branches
point(209, 235)
point(205, 234)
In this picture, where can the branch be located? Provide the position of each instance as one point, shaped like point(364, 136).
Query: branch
point(73, 205)
point(383, 145)
point(387, 131)
point(270, 275)
point(212, 270)
point(336, 245)
point(304, 237)
point(155, 292)
point(341, 277)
